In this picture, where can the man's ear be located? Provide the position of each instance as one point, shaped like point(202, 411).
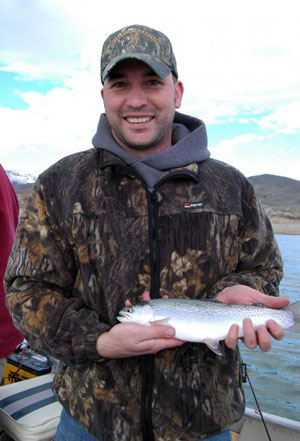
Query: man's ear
point(179, 89)
point(102, 93)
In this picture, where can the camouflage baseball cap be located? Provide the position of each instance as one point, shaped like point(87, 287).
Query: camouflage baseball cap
point(141, 43)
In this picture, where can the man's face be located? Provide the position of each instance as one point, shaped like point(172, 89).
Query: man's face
point(140, 107)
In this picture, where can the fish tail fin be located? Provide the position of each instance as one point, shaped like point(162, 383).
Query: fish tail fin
point(295, 308)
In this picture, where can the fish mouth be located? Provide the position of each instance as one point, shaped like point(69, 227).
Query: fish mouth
point(123, 316)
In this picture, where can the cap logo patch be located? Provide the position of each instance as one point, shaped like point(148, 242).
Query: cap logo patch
point(134, 36)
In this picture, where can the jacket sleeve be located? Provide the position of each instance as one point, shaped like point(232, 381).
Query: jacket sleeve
point(41, 292)
point(259, 264)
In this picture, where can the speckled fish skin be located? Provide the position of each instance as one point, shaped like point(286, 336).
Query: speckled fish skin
point(206, 321)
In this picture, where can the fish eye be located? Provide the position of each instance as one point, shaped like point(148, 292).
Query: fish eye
point(128, 309)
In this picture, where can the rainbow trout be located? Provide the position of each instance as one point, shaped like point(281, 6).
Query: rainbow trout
point(207, 321)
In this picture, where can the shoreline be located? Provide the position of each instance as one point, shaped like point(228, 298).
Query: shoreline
point(283, 225)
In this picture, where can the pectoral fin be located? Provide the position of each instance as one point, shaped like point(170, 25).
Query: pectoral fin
point(214, 345)
point(164, 321)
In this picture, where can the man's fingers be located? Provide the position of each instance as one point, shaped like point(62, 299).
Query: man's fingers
point(264, 339)
point(262, 336)
point(146, 295)
point(160, 344)
point(250, 339)
point(274, 302)
point(238, 294)
point(157, 332)
point(130, 340)
point(275, 330)
point(232, 336)
point(157, 338)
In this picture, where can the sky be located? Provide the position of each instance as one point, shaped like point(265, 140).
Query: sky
point(238, 60)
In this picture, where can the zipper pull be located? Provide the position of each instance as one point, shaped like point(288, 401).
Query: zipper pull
point(153, 194)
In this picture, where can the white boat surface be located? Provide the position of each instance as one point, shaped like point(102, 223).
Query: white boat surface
point(251, 427)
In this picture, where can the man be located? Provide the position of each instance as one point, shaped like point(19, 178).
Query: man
point(10, 337)
point(145, 210)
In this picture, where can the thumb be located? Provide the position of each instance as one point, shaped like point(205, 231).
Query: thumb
point(276, 302)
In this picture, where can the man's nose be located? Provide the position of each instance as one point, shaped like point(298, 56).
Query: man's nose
point(136, 97)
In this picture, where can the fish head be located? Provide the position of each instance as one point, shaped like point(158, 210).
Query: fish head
point(141, 313)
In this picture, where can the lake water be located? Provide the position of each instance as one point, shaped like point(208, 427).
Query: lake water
point(275, 375)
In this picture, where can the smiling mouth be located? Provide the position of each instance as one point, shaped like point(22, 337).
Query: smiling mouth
point(139, 120)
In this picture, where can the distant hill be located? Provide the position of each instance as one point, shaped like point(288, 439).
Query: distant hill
point(277, 191)
point(280, 197)
point(278, 194)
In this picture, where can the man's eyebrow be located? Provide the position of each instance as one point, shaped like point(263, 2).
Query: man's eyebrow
point(120, 75)
point(115, 76)
point(151, 73)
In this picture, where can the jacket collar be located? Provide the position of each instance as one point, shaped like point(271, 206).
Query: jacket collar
point(110, 160)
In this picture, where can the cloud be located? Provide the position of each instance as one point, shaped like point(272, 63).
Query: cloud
point(33, 71)
point(55, 124)
point(256, 154)
point(226, 149)
point(285, 119)
point(211, 111)
point(284, 167)
point(247, 58)
point(38, 39)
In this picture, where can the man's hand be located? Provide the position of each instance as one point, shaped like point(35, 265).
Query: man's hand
point(241, 294)
point(130, 340)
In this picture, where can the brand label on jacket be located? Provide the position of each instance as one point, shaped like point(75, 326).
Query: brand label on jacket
point(191, 205)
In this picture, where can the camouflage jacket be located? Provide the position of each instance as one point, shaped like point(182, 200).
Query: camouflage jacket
point(93, 235)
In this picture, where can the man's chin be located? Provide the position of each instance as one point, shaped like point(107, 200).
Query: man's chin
point(140, 143)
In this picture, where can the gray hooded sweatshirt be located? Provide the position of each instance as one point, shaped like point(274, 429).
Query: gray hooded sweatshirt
point(189, 141)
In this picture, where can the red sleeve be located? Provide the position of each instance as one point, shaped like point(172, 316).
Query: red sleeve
point(9, 211)
point(10, 337)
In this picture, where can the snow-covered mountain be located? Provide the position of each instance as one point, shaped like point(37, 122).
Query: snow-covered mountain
point(21, 177)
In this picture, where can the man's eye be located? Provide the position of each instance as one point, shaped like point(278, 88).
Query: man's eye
point(153, 82)
point(119, 85)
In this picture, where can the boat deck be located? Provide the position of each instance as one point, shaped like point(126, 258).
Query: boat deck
point(251, 428)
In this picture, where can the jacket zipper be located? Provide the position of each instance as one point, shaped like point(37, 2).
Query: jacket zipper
point(154, 258)
point(148, 360)
point(148, 367)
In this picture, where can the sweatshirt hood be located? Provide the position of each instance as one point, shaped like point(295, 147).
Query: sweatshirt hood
point(189, 140)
